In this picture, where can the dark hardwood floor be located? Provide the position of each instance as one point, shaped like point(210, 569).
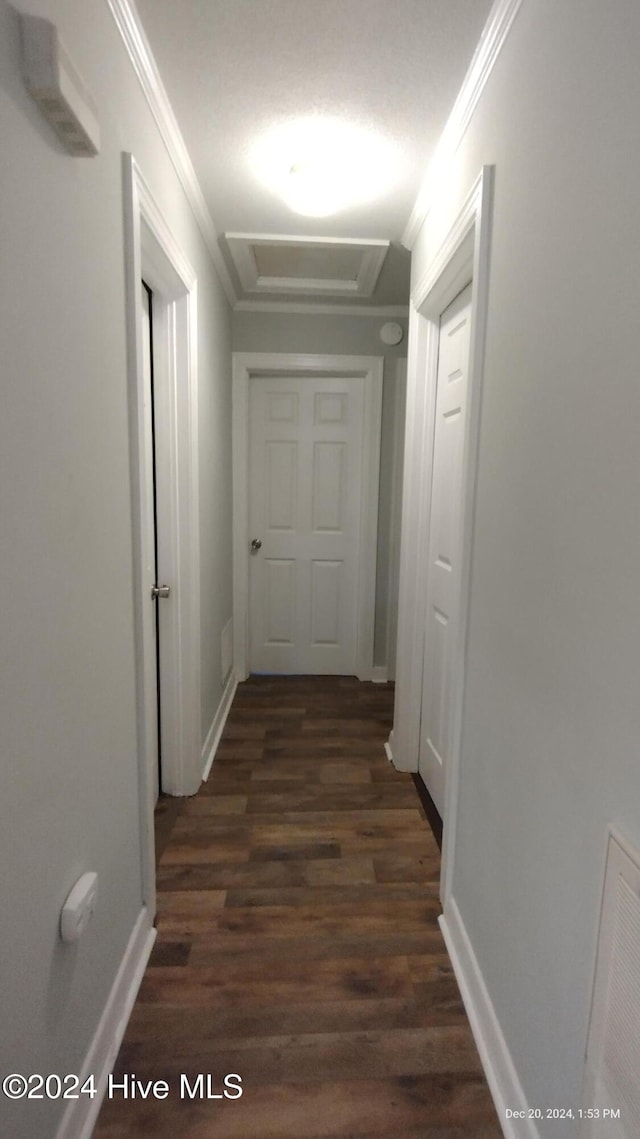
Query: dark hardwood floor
point(298, 943)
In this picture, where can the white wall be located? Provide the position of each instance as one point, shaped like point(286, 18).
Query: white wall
point(341, 335)
point(550, 742)
point(68, 776)
point(214, 411)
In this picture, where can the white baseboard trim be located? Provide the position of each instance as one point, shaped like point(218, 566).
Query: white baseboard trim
point(379, 674)
point(217, 727)
point(498, 1065)
point(80, 1116)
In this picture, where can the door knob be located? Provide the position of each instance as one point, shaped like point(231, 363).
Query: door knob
point(256, 545)
point(160, 591)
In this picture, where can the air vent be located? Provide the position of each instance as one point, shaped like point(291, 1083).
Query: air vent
point(612, 1075)
point(57, 88)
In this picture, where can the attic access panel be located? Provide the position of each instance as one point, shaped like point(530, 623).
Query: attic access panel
point(304, 266)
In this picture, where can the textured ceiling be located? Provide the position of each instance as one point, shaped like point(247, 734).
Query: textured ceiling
point(234, 69)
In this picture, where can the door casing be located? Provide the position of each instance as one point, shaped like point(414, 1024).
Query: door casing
point(246, 365)
point(400, 392)
point(462, 257)
point(152, 253)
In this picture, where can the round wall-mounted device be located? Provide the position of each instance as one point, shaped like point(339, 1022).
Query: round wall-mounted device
point(391, 332)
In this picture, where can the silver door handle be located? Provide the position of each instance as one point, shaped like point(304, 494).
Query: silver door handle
point(160, 591)
point(256, 545)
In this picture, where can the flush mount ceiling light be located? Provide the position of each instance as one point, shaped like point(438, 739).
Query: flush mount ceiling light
point(322, 165)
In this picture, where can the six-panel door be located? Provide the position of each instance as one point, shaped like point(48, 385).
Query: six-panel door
point(305, 492)
point(443, 568)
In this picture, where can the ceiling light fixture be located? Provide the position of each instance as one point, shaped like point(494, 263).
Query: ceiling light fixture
point(323, 165)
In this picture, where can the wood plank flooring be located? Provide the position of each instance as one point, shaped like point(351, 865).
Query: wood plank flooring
point(298, 943)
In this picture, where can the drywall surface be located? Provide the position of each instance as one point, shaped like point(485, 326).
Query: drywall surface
point(550, 741)
point(214, 415)
point(68, 777)
point(349, 336)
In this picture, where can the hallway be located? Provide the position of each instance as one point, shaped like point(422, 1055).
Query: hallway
point(298, 943)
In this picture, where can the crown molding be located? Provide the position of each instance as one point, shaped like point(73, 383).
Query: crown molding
point(307, 239)
point(320, 309)
point(139, 50)
point(491, 44)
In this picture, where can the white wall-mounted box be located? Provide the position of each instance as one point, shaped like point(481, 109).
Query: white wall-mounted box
point(57, 88)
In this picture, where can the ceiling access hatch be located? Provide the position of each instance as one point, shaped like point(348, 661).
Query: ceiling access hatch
point(303, 266)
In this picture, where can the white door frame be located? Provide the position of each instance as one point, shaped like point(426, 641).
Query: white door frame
point(152, 253)
point(246, 365)
point(399, 398)
point(462, 257)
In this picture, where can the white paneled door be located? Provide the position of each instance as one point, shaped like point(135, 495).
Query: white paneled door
point(305, 497)
point(443, 569)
